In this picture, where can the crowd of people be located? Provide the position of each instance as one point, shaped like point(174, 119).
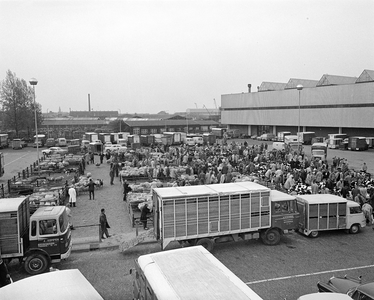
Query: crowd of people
point(286, 171)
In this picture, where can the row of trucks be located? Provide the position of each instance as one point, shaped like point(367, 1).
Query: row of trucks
point(209, 214)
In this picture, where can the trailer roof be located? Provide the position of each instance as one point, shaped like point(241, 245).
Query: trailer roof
point(10, 204)
point(280, 196)
point(322, 198)
point(198, 275)
point(211, 190)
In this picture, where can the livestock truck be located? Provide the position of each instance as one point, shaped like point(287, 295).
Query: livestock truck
point(209, 214)
point(322, 212)
point(36, 240)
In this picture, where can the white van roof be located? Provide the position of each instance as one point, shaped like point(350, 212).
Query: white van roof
point(57, 285)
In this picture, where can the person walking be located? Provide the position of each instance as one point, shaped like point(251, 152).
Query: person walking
point(104, 224)
point(111, 174)
point(91, 189)
point(72, 196)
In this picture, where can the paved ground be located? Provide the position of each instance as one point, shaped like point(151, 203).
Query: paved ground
point(85, 215)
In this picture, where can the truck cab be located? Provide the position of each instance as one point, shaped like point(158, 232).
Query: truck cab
point(284, 212)
point(50, 234)
point(37, 240)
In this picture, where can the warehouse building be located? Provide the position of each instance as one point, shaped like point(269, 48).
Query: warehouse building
point(333, 104)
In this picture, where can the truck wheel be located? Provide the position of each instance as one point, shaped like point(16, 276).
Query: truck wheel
point(354, 229)
point(36, 263)
point(208, 244)
point(271, 237)
point(314, 234)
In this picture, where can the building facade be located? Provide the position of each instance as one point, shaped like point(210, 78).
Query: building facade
point(334, 104)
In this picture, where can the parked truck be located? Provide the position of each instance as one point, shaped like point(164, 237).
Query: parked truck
point(306, 137)
point(105, 137)
point(209, 214)
point(37, 240)
point(91, 136)
point(4, 140)
point(176, 138)
point(357, 143)
point(319, 150)
point(321, 212)
point(281, 135)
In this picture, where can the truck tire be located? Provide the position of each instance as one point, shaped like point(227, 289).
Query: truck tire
point(314, 234)
point(208, 244)
point(36, 263)
point(271, 237)
point(354, 229)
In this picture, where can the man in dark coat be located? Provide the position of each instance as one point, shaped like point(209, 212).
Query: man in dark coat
point(104, 224)
point(91, 189)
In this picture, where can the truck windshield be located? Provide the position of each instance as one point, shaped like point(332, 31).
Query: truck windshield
point(63, 220)
point(355, 210)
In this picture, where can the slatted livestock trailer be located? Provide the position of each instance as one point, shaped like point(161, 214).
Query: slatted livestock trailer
point(208, 214)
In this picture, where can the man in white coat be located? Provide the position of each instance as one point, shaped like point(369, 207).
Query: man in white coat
point(72, 196)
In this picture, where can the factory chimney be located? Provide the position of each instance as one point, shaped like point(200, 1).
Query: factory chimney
point(249, 87)
point(89, 103)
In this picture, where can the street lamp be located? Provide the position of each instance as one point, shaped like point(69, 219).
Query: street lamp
point(34, 82)
point(299, 88)
point(120, 122)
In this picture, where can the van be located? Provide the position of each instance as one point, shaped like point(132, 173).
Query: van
point(190, 141)
point(198, 140)
point(61, 142)
point(279, 146)
point(50, 142)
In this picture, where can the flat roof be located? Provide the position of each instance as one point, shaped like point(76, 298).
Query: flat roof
point(210, 190)
point(322, 198)
point(198, 275)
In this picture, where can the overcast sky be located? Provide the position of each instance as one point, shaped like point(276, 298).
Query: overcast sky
point(148, 56)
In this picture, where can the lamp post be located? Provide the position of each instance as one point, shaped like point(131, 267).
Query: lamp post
point(34, 82)
point(120, 122)
point(299, 88)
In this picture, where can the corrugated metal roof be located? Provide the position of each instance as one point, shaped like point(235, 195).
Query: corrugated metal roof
point(366, 76)
point(144, 123)
point(335, 80)
point(271, 86)
point(294, 82)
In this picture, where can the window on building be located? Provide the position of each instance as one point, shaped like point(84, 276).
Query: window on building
point(144, 131)
point(136, 130)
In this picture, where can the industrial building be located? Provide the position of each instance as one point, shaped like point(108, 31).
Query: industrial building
point(332, 104)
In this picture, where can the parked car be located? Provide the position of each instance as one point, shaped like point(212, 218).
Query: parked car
point(267, 137)
point(55, 150)
point(350, 286)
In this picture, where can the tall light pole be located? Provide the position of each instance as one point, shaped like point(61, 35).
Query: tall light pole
point(120, 122)
point(34, 82)
point(299, 88)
